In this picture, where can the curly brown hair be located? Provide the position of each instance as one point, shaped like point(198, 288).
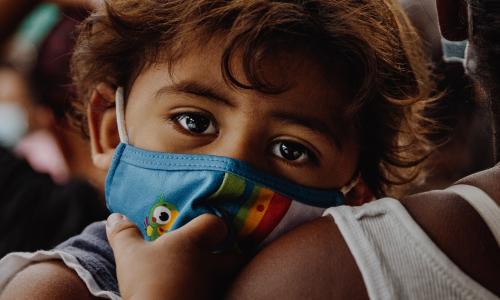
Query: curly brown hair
point(379, 51)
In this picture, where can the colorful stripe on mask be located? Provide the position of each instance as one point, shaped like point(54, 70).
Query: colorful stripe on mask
point(259, 214)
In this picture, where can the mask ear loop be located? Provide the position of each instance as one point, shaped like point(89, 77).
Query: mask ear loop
point(120, 115)
point(351, 184)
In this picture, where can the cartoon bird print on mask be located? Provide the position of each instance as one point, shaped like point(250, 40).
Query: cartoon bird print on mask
point(161, 218)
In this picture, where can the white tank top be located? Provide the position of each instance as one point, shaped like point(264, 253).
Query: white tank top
point(398, 260)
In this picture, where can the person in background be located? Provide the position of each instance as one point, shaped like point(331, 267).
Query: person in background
point(464, 135)
point(48, 188)
point(50, 143)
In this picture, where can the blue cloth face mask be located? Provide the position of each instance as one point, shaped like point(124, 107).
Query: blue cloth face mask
point(161, 191)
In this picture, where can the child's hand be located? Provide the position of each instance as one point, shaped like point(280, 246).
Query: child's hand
point(177, 265)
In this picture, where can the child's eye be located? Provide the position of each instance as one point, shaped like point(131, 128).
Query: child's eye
point(291, 151)
point(196, 123)
point(161, 215)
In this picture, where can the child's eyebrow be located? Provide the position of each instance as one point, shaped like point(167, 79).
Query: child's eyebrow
point(198, 89)
point(312, 124)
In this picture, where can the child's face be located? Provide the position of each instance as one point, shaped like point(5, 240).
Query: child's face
point(294, 134)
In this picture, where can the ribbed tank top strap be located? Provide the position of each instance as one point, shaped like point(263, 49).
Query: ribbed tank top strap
point(347, 219)
point(486, 207)
point(397, 259)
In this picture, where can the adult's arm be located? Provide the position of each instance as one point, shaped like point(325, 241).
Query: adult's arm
point(313, 261)
point(190, 269)
point(63, 284)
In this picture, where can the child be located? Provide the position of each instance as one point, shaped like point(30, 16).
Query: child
point(261, 112)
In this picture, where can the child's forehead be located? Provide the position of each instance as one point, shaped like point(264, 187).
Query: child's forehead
point(311, 100)
point(308, 105)
point(299, 74)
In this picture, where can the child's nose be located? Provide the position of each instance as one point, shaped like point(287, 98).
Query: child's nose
point(245, 148)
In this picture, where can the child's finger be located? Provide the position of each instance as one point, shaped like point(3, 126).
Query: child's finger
point(121, 232)
point(207, 231)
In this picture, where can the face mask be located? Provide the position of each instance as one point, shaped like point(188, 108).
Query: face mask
point(13, 124)
point(453, 51)
point(161, 191)
point(461, 52)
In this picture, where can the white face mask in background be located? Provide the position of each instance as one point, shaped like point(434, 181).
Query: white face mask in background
point(13, 124)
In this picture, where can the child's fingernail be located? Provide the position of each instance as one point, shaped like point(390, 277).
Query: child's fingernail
point(114, 218)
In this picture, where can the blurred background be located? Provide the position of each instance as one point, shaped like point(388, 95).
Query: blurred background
point(49, 189)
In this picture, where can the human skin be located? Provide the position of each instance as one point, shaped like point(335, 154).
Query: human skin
point(314, 258)
point(314, 262)
point(245, 125)
point(189, 269)
point(319, 263)
point(186, 254)
point(241, 124)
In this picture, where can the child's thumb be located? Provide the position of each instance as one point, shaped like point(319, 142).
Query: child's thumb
point(207, 231)
point(121, 232)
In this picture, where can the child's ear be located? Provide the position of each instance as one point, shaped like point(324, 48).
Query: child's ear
point(453, 19)
point(102, 125)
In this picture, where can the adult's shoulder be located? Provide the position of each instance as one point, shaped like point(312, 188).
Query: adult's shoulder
point(458, 229)
point(487, 180)
point(310, 262)
point(314, 260)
